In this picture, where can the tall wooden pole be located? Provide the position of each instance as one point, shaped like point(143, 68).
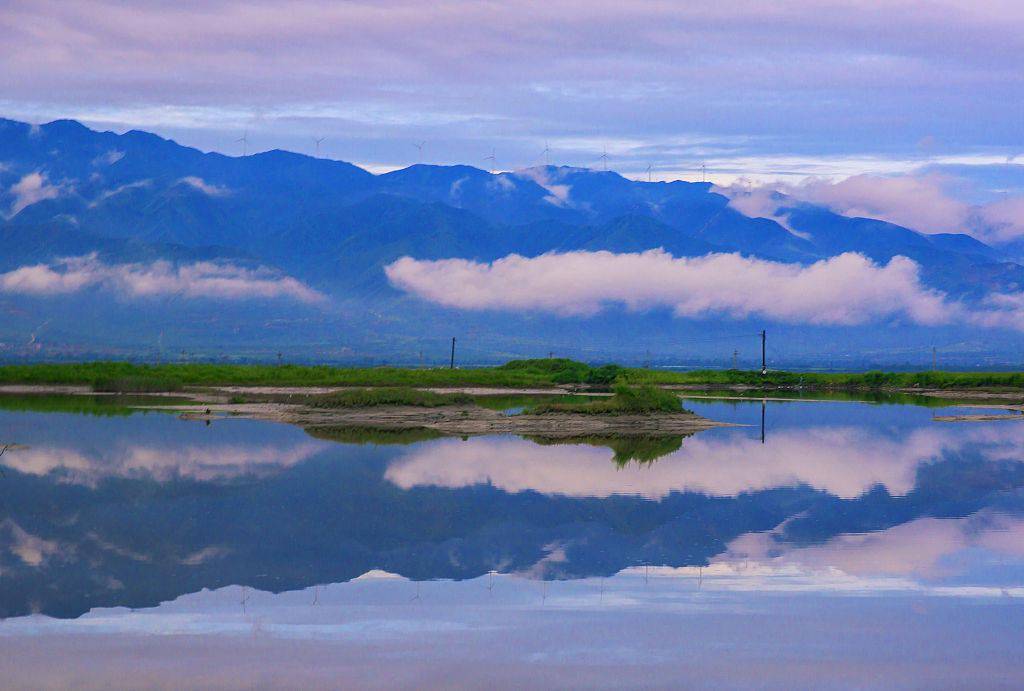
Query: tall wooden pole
point(764, 352)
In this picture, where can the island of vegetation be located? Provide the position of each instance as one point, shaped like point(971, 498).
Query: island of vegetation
point(551, 398)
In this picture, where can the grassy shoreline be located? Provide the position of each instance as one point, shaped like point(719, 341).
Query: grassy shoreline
point(124, 376)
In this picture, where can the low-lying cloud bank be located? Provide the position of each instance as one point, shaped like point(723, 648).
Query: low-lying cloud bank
point(197, 280)
point(846, 289)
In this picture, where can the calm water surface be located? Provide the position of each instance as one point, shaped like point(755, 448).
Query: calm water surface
point(838, 544)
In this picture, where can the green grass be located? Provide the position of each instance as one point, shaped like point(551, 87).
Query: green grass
point(520, 373)
point(861, 380)
point(124, 376)
point(368, 398)
point(626, 400)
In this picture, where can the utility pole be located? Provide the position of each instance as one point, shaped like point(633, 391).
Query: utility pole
point(735, 358)
point(764, 352)
point(935, 359)
point(452, 365)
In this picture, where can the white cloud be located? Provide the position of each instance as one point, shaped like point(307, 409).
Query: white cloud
point(202, 462)
point(32, 550)
point(32, 188)
point(107, 194)
point(204, 187)
point(1001, 221)
point(108, 158)
point(758, 202)
point(843, 461)
point(197, 280)
point(846, 289)
point(919, 548)
point(550, 180)
point(924, 202)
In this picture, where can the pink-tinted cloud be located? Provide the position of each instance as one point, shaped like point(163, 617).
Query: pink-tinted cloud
point(207, 280)
point(846, 289)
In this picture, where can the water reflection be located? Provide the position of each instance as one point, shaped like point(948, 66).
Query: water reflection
point(105, 511)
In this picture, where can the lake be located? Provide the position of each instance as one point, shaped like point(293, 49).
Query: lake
point(816, 544)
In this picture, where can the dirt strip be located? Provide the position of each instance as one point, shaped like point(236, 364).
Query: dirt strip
point(457, 420)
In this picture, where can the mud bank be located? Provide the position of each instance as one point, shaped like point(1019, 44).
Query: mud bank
point(457, 420)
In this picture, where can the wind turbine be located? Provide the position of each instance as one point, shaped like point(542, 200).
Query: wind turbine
point(649, 167)
point(491, 159)
point(547, 153)
point(419, 146)
point(604, 157)
point(244, 141)
point(32, 338)
point(319, 141)
point(703, 172)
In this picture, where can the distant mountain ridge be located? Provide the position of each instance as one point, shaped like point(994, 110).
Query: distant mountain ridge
point(66, 189)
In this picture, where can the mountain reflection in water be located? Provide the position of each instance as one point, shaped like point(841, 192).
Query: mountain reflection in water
point(134, 510)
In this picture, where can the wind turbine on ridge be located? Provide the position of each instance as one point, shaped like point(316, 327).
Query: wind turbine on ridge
point(604, 157)
point(319, 141)
point(419, 146)
point(492, 160)
point(547, 153)
point(244, 141)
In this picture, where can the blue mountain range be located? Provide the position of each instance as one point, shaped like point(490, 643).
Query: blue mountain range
point(136, 197)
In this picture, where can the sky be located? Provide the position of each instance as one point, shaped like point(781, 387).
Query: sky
point(757, 91)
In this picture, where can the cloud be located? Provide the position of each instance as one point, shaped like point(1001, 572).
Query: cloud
point(107, 194)
point(32, 188)
point(496, 72)
point(758, 202)
point(206, 461)
point(843, 461)
point(108, 158)
point(846, 289)
point(32, 550)
point(549, 179)
point(208, 280)
point(927, 202)
point(204, 187)
point(920, 548)
point(1001, 221)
